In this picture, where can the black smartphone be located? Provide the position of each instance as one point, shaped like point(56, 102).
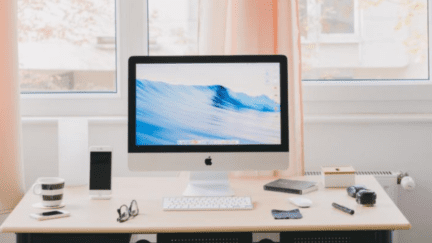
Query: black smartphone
point(100, 171)
point(50, 215)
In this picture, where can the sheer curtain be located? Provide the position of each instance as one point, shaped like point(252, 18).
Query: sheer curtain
point(11, 178)
point(235, 27)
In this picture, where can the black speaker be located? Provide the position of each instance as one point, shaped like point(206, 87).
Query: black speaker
point(366, 197)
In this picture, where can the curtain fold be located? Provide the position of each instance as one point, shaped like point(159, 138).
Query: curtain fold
point(245, 27)
point(11, 177)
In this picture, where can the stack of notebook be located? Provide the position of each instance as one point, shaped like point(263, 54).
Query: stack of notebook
point(292, 186)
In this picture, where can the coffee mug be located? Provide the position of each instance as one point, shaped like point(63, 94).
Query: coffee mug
point(51, 189)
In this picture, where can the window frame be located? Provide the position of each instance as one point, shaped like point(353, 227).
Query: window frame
point(130, 15)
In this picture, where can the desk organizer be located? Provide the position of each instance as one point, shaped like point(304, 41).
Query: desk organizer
point(338, 176)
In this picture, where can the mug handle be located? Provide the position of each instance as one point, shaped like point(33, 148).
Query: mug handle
point(34, 188)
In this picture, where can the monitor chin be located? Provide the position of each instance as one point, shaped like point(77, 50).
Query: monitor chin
point(208, 161)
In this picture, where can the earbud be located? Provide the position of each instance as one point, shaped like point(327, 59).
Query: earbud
point(352, 190)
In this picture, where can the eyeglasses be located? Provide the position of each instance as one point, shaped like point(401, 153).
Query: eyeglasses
point(126, 212)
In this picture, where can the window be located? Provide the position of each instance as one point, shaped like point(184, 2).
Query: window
point(328, 20)
point(66, 46)
point(173, 27)
point(364, 40)
point(342, 42)
point(103, 91)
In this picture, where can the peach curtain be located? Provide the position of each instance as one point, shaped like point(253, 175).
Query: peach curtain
point(11, 178)
point(236, 27)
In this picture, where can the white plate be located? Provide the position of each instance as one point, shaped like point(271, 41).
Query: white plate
point(39, 205)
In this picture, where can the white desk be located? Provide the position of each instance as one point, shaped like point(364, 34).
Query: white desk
point(99, 216)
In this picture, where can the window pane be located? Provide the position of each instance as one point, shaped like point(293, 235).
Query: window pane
point(365, 40)
point(173, 27)
point(66, 45)
point(337, 16)
point(303, 17)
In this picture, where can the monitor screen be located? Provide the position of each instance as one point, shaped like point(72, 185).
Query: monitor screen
point(207, 106)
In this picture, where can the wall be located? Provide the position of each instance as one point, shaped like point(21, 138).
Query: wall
point(371, 143)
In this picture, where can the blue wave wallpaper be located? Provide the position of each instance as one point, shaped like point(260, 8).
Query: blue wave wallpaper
point(169, 114)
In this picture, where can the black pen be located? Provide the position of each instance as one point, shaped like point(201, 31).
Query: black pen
point(343, 209)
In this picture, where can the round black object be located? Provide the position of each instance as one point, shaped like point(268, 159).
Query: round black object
point(266, 241)
point(352, 190)
point(143, 241)
point(366, 197)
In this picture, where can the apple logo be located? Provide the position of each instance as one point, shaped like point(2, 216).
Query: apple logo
point(208, 161)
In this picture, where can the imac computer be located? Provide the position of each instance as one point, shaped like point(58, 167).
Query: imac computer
point(208, 115)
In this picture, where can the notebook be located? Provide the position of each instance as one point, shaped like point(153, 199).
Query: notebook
point(291, 186)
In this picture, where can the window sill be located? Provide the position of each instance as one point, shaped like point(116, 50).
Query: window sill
point(71, 95)
point(367, 97)
point(369, 119)
point(92, 120)
point(308, 119)
point(367, 90)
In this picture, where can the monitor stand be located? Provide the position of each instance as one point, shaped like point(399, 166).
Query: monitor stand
point(208, 184)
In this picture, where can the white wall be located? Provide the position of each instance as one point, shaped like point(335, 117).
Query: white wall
point(368, 143)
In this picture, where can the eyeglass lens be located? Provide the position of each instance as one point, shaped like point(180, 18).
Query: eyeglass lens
point(133, 209)
point(123, 213)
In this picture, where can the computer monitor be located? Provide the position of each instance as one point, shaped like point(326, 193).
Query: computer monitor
point(208, 115)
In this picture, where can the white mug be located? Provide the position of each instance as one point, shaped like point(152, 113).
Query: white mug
point(51, 189)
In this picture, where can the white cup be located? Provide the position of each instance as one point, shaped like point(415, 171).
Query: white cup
point(51, 190)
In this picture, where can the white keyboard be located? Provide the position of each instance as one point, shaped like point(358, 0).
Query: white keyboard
point(206, 203)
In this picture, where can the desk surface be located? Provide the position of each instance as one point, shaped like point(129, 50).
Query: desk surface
point(89, 216)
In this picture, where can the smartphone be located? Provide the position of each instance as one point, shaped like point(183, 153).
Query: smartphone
point(100, 172)
point(50, 215)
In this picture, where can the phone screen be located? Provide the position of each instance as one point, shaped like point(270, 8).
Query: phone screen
point(51, 213)
point(100, 170)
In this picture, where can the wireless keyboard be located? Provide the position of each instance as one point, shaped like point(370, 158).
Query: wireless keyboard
point(206, 203)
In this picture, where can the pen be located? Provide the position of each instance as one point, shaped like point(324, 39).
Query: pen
point(343, 209)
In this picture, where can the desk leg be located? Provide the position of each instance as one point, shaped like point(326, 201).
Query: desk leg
point(22, 238)
point(387, 236)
